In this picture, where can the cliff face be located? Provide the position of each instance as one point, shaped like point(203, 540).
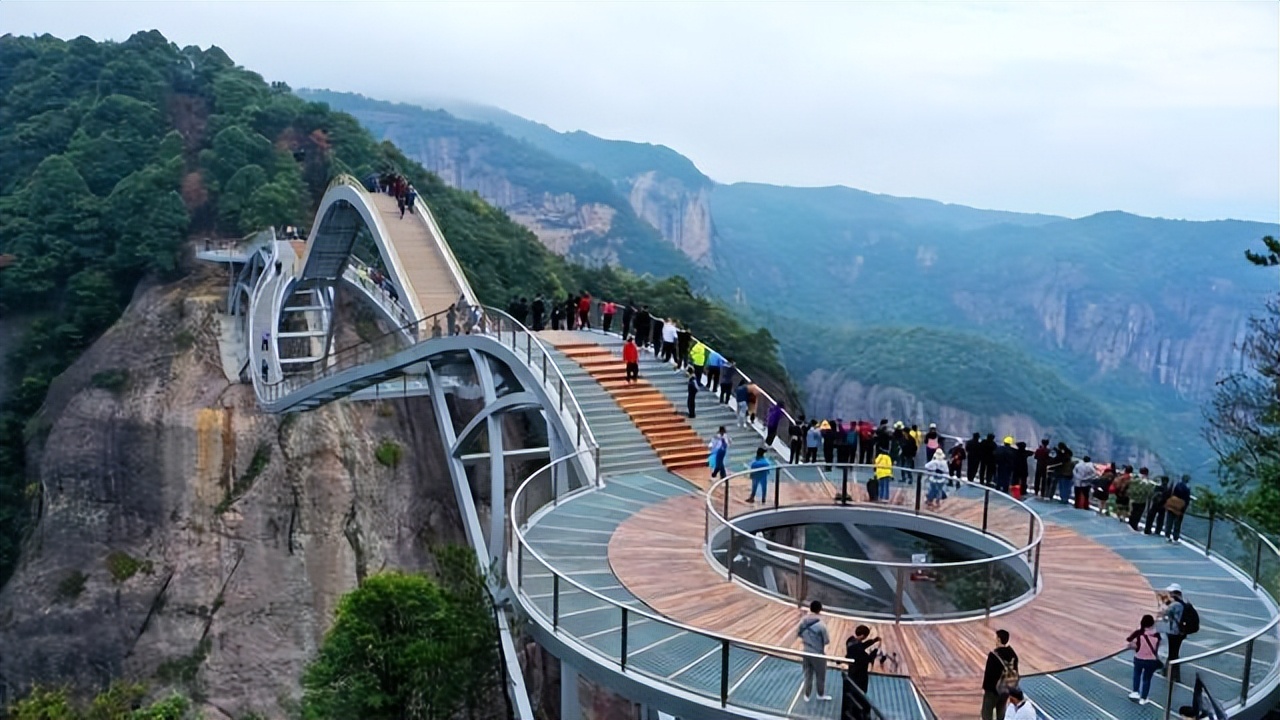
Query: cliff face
point(832, 393)
point(187, 538)
point(681, 213)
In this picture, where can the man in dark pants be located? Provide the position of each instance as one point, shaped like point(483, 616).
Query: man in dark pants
point(861, 653)
point(643, 320)
point(726, 381)
point(1042, 469)
point(1171, 625)
point(1155, 509)
point(973, 451)
point(692, 388)
point(986, 451)
point(796, 435)
point(1000, 662)
point(1139, 497)
point(539, 308)
point(628, 314)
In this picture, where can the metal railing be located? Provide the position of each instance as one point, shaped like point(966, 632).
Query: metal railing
point(514, 334)
point(1254, 556)
point(948, 589)
point(554, 484)
point(359, 273)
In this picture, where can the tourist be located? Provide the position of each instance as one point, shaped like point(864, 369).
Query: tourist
point(1063, 465)
point(753, 401)
point(973, 451)
point(1020, 468)
point(669, 341)
point(1141, 489)
point(698, 359)
point(812, 439)
point(884, 437)
point(584, 311)
point(719, 446)
point(957, 462)
point(265, 370)
point(828, 431)
point(727, 369)
point(557, 316)
point(741, 397)
point(607, 311)
point(643, 321)
point(684, 339)
point(796, 433)
point(759, 477)
point(1145, 643)
point(451, 320)
point(910, 447)
point(866, 442)
point(628, 314)
point(539, 309)
point(860, 651)
point(986, 457)
point(1019, 708)
point(1173, 624)
point(1042, 454)
point(850, 435)
point(1003, 459)
point(999, 677)
point(813, 636)
point(878, 485)
point(771, 423)
point(1082, 476)
point(410, 199)
point(932, 441)
point(937, 467)
point(691, 388)
point(266, 341)
point(1120, 491)
point(1175, 507)
point(714, 362)
point(656, 334)
point(1155, 508)
point(570, 311)
point(631, 357)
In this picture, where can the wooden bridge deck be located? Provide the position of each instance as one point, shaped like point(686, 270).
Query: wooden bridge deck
point(1091, 598)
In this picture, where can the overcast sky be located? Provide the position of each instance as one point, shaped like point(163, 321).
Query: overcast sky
point(1168, 109)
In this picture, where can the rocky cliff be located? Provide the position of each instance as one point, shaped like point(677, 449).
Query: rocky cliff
point(187, 538)
point(681, 213)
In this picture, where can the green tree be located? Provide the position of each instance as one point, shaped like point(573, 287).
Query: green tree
point(1244, 415)
point(404, 647)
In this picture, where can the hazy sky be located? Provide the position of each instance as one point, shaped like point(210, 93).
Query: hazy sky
point(1169, 109)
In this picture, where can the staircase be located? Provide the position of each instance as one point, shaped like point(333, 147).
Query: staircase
point(668, 433)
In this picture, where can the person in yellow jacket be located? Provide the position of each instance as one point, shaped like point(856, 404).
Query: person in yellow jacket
point(698, 359)
point(884, 474)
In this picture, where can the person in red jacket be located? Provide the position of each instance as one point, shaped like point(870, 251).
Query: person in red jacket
point(607, 311)
point(584, 311)
point(631, 356)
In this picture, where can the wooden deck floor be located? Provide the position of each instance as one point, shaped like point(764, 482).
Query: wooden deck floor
point(1092, 599)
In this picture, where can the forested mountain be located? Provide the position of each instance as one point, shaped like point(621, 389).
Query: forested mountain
point(1128, 317)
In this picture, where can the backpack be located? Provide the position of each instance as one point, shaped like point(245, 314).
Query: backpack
point(1008, 676)
point(1190, 622)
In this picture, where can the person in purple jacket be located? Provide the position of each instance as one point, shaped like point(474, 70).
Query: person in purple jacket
point(772, 421)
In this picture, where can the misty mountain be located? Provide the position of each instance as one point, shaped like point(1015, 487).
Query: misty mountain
point(1127, 320)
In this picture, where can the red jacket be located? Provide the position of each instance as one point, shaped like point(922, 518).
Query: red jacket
point(630, 353)
point(584, 305)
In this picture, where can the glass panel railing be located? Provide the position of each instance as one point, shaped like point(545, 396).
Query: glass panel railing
point(717, 668)
point(978, 554)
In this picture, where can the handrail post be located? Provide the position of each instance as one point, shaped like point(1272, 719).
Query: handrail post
point(520, 565)
point(897, 597)
point(777, 486)
point(1208, 541)
point(1248, 670)
point(623, 652)
point(918, 486)
point(555, 600)
point(544, 367)
point(1257, 563)
point(986, 507)
point(560, 384)
point(724, 672)
point(1035, 572)
point(844, 486)
point(800, 583)
point(1168, 698)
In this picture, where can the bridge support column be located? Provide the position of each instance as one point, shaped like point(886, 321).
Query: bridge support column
point(570, 703)
point(497, 488)
point(560, 473)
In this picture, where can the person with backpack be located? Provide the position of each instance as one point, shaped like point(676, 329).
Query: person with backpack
point(796, 435)
point(1145, 643)
point(1178, 620)
point(814, 638)
point(1175, 507)
point(740, 396)
point(999, 677)
point(956, 462)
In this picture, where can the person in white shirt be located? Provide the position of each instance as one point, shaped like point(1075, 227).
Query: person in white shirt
point(1019, 707)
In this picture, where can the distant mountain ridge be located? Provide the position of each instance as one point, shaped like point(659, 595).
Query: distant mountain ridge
point(1136, 316)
